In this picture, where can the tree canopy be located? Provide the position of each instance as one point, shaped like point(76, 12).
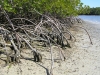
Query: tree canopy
point(58, 7)
point(95, 11)
point(92, 11)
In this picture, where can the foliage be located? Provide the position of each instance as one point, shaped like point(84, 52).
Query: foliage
point(84, 10)
point(92, 11)
point(55, 7)
point(95, 11)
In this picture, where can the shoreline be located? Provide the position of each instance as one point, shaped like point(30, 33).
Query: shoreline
point(82, 59)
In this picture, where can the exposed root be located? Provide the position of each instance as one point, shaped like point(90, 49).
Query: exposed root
point(20, 33)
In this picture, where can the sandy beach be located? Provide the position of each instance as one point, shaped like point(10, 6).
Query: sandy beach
point(82, 59)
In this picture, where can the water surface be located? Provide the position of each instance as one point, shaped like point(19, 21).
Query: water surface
point(91, 18)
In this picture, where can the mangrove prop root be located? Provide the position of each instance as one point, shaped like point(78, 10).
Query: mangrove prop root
point(21, 32)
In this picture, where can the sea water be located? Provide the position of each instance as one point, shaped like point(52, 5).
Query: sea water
point(91, 18)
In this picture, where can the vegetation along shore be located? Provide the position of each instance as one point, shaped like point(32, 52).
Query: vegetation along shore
point(45, 37)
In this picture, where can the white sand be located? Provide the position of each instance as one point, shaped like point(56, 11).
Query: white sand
point(82, 59)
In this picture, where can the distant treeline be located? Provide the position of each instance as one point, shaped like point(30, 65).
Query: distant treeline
point(93, 11)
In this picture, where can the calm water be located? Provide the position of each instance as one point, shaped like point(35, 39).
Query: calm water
point(92, 18)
